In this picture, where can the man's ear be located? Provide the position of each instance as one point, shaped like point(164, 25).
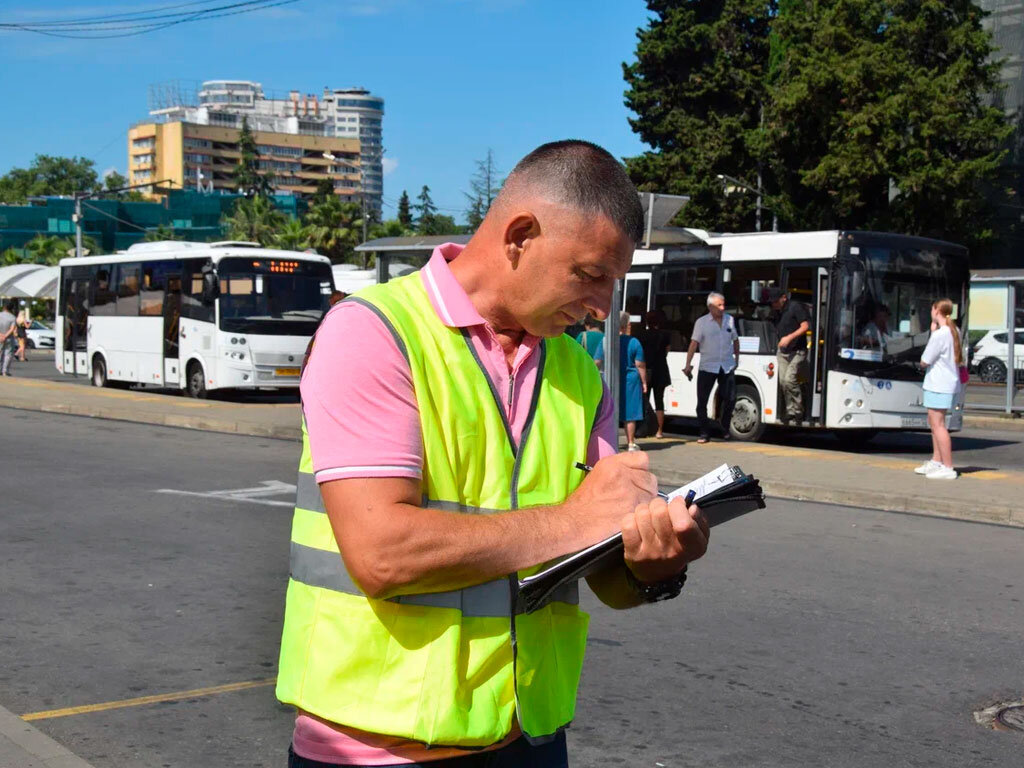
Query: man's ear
point(519, 231)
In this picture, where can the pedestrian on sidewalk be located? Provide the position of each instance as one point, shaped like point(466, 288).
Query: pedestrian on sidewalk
point(656, 342)
point(21, 325)
point(591, 338)
point(431, 478)
point(8, 336)
point(632, 379)
point(714, 334)
point(793, 322)
point(942, 358)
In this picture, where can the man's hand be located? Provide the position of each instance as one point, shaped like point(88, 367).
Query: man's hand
point(618, 483)
point(661, 538)
point(688, 371)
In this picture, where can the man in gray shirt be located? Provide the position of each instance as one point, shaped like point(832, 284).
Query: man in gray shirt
point(714, 334)
point(8, 340)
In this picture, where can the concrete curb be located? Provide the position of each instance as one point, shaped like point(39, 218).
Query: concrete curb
point(1005, 423)
point(913, 504)
point(910, 503)
point(24, 746)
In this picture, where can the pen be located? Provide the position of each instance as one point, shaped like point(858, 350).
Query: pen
point(587, 468)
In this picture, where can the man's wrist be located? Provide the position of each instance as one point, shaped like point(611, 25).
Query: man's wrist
point(656, 591)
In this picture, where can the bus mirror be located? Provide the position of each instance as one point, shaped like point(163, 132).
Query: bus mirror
point(211, 290)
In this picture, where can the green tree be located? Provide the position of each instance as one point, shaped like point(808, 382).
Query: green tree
point(49, 175)
point(697, 87)
point(254, 219)
point(293, 236)
point(162, 232)
point(426, 212)
point(324, 189)
point(49, 249)
point(879, 117)
point(390, 228)
point(115, 180)
point(247, 176)
point(334, 228)
point(404, 214)
point(484, 186)
point(444, 225)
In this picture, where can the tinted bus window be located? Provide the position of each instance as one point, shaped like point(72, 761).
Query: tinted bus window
point(104, 297)
point(192, 305)
point(128, 290)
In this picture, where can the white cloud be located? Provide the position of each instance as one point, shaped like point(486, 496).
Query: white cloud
point(389, 164)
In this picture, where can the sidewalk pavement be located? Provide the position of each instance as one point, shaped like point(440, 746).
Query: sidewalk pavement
point(854, 479)
point(23, 746)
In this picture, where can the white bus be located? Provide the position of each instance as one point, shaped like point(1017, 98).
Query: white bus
point(194, 316)
point(855, 382)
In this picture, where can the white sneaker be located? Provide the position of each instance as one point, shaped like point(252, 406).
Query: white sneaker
point(927, 467)
point(633, 447)
point(942, 473)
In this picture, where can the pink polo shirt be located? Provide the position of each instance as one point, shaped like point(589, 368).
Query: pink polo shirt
point(363, 421)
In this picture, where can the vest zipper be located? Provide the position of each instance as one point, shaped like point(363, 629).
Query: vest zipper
point(511, 389)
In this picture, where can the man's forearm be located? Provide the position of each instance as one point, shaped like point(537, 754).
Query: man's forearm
point(431, 550)
point(612, 588)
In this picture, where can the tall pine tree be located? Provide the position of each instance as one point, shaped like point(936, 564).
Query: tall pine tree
point(697, 88)
point(247, 176)
point(879, 116)
point(404, 214)
point(426, 212)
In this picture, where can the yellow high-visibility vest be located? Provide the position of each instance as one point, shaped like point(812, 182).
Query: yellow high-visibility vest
point(447, 668)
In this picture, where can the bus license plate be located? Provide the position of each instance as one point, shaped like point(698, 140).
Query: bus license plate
point(286, 371)
point(914, 421)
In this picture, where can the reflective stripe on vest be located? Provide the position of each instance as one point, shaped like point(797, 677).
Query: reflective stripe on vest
point(323, 568)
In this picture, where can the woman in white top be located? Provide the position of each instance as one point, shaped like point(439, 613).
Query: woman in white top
point(942, 357)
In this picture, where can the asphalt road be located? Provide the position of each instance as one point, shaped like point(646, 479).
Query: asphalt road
point(810, 635)
point(975, 448)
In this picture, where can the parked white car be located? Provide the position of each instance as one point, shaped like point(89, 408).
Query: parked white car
point(988, 357)
point(38, 336)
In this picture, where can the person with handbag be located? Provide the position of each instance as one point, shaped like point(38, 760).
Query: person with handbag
point(943, 357)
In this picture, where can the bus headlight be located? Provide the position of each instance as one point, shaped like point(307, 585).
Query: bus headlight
point(234, 339)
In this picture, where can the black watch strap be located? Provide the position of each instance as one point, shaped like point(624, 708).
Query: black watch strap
point(655, 592)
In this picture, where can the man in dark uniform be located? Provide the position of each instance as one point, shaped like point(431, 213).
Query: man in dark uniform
point(792, 325)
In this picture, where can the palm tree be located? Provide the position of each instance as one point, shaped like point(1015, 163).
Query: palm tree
point(293, 236)
point(160, 233)
point(254, 219)
point(334, 228)
point(49, 249)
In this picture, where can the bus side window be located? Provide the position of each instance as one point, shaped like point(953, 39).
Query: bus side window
point(104, 301)
point(128, 291)
point(681, 293)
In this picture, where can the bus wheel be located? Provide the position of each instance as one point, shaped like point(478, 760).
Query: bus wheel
point(99, 372)
point(746, 424)
point(196, 380)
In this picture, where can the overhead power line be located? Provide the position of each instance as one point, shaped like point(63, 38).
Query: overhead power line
point(140, 22)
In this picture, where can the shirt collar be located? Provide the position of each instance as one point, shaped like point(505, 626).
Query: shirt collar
point(448, 298)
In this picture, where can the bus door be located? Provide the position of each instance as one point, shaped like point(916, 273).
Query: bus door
point(172, 325)
point(636, 296)
point(76, 322)
point(808, 283)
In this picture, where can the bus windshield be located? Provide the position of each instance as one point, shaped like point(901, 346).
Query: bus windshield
point(883, 307)
point(272, 296)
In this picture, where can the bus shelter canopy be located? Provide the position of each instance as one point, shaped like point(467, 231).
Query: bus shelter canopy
point(29, 281)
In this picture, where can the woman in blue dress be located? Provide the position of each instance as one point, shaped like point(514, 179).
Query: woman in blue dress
point(632, 380)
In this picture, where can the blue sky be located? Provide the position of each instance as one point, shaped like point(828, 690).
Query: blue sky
point(458, 76)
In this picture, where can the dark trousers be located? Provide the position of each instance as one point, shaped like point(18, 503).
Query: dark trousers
point(726, 396)
point(516, 755)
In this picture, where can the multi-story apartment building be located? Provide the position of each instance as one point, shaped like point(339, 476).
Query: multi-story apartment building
point(353, 114)
point(1005, 21)
point(204, 157)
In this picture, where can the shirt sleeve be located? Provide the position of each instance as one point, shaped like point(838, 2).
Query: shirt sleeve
point(599, 353)
point(933, 349)
point(698, 331)
point(732, 328)
point(604, 437)
point(358, 400)
point(636, 350)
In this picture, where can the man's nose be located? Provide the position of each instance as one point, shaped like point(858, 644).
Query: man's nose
point(599, 303)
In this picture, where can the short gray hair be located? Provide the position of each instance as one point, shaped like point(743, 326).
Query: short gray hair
point(623, 320)
point(583, 176)
point(714, 295)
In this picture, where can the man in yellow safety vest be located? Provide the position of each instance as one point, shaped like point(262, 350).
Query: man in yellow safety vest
point(445, 413)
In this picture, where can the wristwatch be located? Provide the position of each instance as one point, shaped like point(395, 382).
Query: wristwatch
point(656, 591)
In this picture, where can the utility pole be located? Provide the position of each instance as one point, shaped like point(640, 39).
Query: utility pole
point(78, 224)
point(756, 190)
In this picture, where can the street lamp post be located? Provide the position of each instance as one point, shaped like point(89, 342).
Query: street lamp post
point(757, 191)
point(80, 196)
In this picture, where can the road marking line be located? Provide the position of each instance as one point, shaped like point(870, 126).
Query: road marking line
point(255, 494)
point(142, 700)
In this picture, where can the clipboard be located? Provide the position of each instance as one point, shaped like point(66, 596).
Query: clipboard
point(723, 494)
